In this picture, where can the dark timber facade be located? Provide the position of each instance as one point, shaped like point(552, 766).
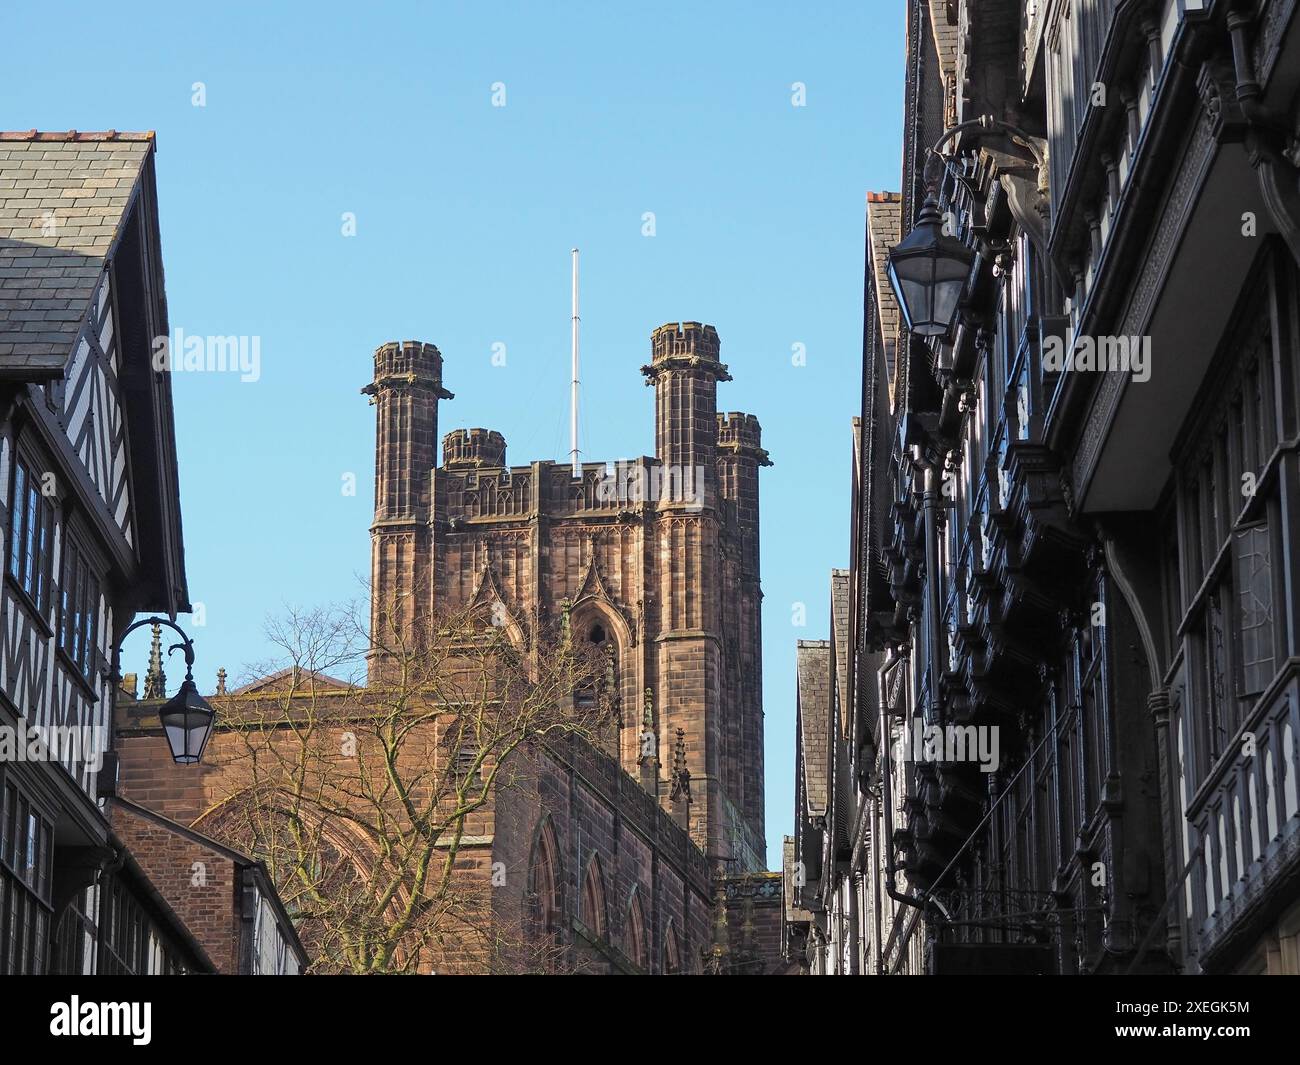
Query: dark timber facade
point(90, 533)
point(1094, 562)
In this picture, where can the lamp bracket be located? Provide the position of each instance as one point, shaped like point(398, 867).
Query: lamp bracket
point(186, 645)
point(1026, 194)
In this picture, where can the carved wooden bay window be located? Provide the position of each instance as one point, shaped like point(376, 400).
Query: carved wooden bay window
point(76, 938)
point(1223, 594)
point(130, 943)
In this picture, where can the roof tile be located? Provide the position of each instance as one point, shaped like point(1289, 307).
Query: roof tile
point(62, 201)
point(884, 228)
point(812, 664)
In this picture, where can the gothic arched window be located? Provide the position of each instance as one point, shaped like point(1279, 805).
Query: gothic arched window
point(636, 940)
point(603, 684)
point(544, 881)
point(672, 951)
point(593, 899)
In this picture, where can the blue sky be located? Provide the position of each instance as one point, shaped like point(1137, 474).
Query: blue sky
point(465, 214)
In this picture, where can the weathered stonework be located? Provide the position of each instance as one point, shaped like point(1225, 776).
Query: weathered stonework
point(614, 860)
point(660, 557)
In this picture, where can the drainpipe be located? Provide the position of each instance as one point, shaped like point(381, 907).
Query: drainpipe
point(875, 898)
point(1248, 88)
point(1270, 142)
point(930, 508)
point(932, 588)
point(923, 900)
point(854, 941)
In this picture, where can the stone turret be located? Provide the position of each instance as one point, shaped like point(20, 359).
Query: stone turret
point(468, 448)
point(405, 391)
point(684, 370)
point(740, 455)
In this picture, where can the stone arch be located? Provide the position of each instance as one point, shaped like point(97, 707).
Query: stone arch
point(546, 878)
point(672, 950)
point(596, 610)
point(594, 912)
point(346, 837)
point(593, 616)
point(494, 612)
point(636, 932)
point(347, 844)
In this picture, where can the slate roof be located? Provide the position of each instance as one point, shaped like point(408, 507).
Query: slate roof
point(840, 638)
point(884, 229)
point(812, 664)
point(63, 197)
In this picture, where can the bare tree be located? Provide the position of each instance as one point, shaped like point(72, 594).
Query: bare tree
point(369, 802)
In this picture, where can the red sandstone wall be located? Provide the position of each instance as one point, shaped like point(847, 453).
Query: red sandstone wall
point(198, 882)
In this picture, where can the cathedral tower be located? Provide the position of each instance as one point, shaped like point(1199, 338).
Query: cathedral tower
point(656, 558)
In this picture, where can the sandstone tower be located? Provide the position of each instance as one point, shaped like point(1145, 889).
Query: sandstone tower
point(655, 558)
point(405, 391)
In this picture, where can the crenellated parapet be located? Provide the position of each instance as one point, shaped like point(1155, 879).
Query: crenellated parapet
point(469, 448)
point(407, 364)
point(685, 346)
point(740, 436)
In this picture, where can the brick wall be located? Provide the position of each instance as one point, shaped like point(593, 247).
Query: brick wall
point(199, 883)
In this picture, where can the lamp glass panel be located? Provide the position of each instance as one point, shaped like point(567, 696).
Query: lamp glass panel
point(946, 294)
point(175, 731)
point(916, 298)
point(197, 732)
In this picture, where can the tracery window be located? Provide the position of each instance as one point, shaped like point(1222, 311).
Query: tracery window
point(604, 682)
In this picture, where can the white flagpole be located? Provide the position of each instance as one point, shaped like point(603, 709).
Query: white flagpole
point(573, 416)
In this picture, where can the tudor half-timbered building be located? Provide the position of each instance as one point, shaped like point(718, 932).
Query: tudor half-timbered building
point(91, 534)
point(1077, 511)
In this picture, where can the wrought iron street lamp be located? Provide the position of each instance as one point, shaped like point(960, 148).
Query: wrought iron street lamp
point(186, 717)
point(928, 269)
